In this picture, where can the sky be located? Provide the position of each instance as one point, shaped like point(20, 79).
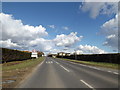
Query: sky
point(52, 27)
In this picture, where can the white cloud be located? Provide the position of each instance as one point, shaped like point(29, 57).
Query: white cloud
point(90, 49)
point(65, 28)
point(110, 30)
point(96, 8)
point(110, 27)
point(15, 31)
point(52, 26)
point(9, 44)
point(16, 35)
point(41, 44)
point(67, 40)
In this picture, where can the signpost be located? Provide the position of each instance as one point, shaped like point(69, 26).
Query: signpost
point(34, 54)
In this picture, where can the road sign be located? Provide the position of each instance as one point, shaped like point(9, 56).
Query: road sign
point(34, 54)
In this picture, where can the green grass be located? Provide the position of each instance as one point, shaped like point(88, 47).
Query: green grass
point(21, 64)
point(100, 64)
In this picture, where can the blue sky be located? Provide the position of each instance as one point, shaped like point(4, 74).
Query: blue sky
point(62, 15)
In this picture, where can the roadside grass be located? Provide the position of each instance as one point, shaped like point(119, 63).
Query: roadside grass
point(99, 64)
point(21, 64)
point(17, 71)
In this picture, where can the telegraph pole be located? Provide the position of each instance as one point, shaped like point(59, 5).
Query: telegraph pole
point(75, 55)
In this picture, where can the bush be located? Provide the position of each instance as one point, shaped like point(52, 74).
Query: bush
point(108, 58)
point(14, 55)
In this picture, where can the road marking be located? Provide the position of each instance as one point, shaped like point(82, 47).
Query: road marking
point(49, 62)
point(65, 68)
point(87, 84)
point(57, 62)
point(109, 71)
point(87, 66)
point(41, 63)
point(78, 64)
point(115, 72)
point(97, 68)
point(92, 67)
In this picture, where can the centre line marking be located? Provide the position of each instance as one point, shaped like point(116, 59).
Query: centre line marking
point(86, 84)
point(65, 68)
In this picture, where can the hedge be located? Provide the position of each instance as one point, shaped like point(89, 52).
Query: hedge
point(13, 55)
point(109, 58)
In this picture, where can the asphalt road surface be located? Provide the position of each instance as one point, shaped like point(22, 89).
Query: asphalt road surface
point(56, 73)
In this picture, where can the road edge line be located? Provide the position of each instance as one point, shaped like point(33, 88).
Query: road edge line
point(87, 84)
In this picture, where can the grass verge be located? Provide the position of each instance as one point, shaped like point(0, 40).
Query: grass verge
point(14, 72)
point(99, 64)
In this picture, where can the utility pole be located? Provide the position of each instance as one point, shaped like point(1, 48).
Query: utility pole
point(75, 55)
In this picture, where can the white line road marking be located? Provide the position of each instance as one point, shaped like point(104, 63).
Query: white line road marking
point(86, 84)
point(40, 63)
point(87, 66)
point(49, 62)
point(97, 68)
point(57, 62)
point(90, 66)
point(109, 71)
point(65, 68)
point(115, 72)
point(93, 67)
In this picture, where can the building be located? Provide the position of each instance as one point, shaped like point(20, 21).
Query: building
point(63, 54)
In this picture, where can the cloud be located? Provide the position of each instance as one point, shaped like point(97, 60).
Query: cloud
point(67, 40)
point(65, 28)
point(15, 33)
point(110, 27)
point(90, 49)
point(52, 26)
point(110, 30)
point(9, 44)
point(97, 8)
point(41, 44)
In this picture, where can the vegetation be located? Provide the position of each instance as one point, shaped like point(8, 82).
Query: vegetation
point(100, 64)
point(21, 64)
point(16, 55)
point(107, 58)
point(18, 71)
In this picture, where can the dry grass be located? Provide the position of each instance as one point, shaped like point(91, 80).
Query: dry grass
point(17, 71)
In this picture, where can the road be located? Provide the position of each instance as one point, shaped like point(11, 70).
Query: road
point(55, 73)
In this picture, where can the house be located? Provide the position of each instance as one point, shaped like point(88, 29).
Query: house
point(61, 54)
point(52, 55)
